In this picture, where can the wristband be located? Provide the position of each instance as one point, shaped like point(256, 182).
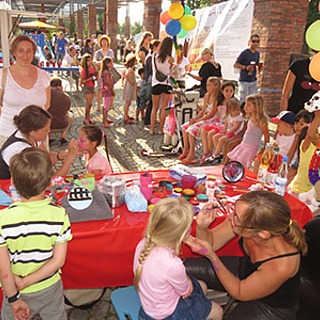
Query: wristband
point(58, 157)
point(15, 297)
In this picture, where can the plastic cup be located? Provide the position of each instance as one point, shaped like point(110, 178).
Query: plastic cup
point(145, 179)
point(147, 192)
point(59, 64)
point(188, 181)
point(48, 63)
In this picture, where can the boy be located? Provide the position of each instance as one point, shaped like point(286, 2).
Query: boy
point(34, 237)
point(141, 104)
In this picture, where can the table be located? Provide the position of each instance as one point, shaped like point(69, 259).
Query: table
point(101, 252)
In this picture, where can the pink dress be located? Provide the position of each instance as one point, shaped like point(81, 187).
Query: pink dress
point(97, 162)
point(218, 126)
point(195, 129)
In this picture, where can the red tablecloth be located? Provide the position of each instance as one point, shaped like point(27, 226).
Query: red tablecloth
point(101, 252)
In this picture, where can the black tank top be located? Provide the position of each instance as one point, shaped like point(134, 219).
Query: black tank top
point(287, 295)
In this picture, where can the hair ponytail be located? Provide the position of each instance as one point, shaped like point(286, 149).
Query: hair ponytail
point(295, 236)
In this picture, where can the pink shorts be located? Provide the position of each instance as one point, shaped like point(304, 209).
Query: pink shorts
point(106, 104)
point(211, 127)
point(230, 135)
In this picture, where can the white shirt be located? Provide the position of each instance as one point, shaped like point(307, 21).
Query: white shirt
point(69, 60)
point(163, 67)
point(284, 143)
point(182, 68)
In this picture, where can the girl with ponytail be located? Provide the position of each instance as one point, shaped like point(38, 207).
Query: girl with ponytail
point(165, 291)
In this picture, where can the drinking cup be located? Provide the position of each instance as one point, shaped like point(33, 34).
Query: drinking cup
point(145, 179)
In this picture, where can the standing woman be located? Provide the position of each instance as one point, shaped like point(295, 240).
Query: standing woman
point(161, 61)
point(105, 51)
point(144, 46)
point(25, 84)
point(87, 48)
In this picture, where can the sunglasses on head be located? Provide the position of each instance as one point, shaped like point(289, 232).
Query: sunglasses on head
point(255, 41)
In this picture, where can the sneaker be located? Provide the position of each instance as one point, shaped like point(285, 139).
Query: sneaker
point(217, 158)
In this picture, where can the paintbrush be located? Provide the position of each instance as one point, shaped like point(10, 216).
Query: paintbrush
point(222, 206)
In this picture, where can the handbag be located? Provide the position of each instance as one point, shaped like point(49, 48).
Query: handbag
point(115, 74)
point(3, 84)
point(145, 91)
point(170, 123)
point(160, 76)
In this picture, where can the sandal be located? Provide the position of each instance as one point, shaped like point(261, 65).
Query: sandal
point(106, 126)
point(204, 158)
point(128, 121)
point(109, 121)
point(186, 161)
point(86, 122)
point(91, 121)
point(182, 156)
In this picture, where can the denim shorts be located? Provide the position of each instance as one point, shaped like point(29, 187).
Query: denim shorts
point(195, 307)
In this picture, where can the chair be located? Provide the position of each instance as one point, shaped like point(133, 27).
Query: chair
point(126, 302)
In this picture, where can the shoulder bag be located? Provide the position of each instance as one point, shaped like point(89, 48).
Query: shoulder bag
point(160, 76)
point(145, 91)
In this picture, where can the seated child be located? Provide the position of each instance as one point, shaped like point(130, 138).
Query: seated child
point(285, 136)
point(90, 137)
point(141, 104)
point(165, 290)
point(34, 237)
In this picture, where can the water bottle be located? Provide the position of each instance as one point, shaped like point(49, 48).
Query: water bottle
point(282, 177)
point(264, 164)
point(272, 172)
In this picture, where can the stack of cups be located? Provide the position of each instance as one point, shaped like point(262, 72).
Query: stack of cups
point(146, 186)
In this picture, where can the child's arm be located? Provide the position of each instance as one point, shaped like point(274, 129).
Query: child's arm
point(293, 148)
point(128, 74)
point(200, 114)
point(211, 114)
point(225, 127)
point(311, 131)
point(265, 131)
point(235, 127)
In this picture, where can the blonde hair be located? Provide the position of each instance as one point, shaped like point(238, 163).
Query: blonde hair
point(217, 93)
point(260, 115)
point(270, 212)
point(233, 104)
point(168, 224)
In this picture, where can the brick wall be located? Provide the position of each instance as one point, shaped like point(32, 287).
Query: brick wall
point(151, 16)
point(280, 24)
point(112, 23)
point(80, 24)
point(92, 20)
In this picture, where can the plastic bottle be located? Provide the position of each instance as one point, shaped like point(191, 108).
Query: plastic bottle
point(272, 171)
point(282, 177)
point(264, 164)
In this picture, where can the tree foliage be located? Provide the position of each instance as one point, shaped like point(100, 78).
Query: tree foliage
point(196, 4)
point(136, 28)
point(121, 29)
point(313, 12)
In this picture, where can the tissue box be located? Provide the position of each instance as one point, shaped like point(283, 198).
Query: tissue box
point(176, 172)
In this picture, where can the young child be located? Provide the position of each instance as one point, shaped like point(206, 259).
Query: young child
point(256, 127)
point(34, 237)
point(207, 115)
point(233, 125)
point(207, 133)
point(165, 290)
point(141, 104)
point(88, 76)
point(301, 182)
point(90, 137)
point(107, 88)
point(285, 136)
point(129, 91)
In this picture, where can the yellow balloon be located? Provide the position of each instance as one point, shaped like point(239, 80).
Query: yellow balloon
point(176, 10)
point(188, 22)
point(314, 67)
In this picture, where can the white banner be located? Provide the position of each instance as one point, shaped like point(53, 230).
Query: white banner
point(225, 28)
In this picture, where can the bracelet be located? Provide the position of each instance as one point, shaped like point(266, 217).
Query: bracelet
point(15, 297)
point(58, 157)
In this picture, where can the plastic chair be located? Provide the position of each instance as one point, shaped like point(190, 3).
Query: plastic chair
point(126, 302)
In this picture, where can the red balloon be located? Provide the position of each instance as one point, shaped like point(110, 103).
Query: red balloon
point(164, 17)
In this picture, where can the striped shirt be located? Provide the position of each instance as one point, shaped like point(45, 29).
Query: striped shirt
point(30, 230)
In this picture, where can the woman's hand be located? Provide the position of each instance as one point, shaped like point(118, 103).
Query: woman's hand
point(206, 216)
point(73, 148)
point(200, 246)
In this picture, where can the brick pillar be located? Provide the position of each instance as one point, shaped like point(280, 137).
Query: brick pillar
point(151, 16)
point(281, 26)
point(112, 23)
point(80, 24)
point(127, 27)
point(92, 20)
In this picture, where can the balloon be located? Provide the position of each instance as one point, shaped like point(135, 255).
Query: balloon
point(182, 33)
point(314, 67)
point(187, 10)
point(188, 22)
point(173, 27)
point(176, 10)
point(164, 17)
point(313, 36)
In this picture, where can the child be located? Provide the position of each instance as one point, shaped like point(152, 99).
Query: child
point(34, 237)
point(90, 137)
point(141, 104)
point(285, 136)
point(88, 76)
point(257, 126)
point(129, 91)
point(301, 182)
point(207, 115)
point(210, 130)
point(107, 88)
point(233, 125)
point(165, 291)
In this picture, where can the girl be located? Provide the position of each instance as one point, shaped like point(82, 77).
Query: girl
point(301, 182)
point(107, 88)
point(165, 291)
point(210, 130)
point(88, 76)
point(90, 137)
point(143, 48)
point(233, 125)
point(257, 126)
point(129, 91)
point(207, 115)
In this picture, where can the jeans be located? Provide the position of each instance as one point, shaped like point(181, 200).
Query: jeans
point(247, 88)
point(59, 56)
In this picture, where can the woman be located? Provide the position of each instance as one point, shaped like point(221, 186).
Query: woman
point(128, 49)
point(87, 48)
point(33, 125)
point(266, 280)
point(210, 68)
point(144, 46)
point(104, 42)
point(25, 84)
point(161, 61)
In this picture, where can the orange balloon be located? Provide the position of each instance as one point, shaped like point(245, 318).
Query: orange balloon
point(314, 67)
point(164, 17)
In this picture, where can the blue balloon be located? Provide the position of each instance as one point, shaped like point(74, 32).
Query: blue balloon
point(173, 27)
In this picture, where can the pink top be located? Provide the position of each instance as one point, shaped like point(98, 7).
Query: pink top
point(97, 162)
point(91, 73)
point(163, 281)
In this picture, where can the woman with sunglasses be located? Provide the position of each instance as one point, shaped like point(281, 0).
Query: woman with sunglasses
point(266, 280)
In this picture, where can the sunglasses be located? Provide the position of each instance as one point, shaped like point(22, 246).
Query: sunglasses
point(255, 41)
